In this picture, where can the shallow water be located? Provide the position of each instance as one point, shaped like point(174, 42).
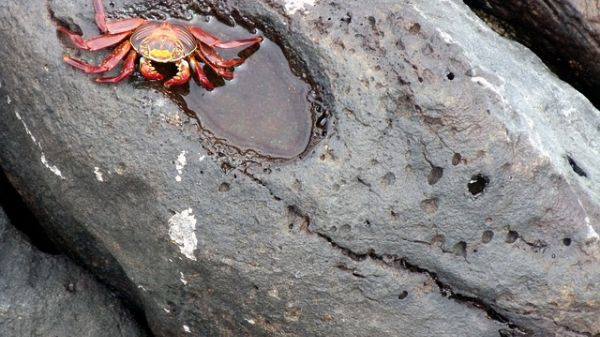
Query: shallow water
point(265, 108)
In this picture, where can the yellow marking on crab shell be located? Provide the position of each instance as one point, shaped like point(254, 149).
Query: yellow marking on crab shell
point(162, 54)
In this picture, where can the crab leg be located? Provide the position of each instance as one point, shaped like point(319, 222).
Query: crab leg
point(239, 43)
point(113, 27)
point(213, 41)
point(223, 72)
point(95, 43)
point(182, 76)
point(213, 57)
point(125, 25)
point(126, 71)
point(148, 71)
point(107, 64)
point(100, 16)
point(199, 74)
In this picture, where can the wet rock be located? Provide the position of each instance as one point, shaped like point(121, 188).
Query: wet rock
point(48, 295)
point(564, 33)
point(454, 168)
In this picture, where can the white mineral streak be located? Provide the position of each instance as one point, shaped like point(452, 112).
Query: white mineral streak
point(292, 6)
point(52, 168)
point(180, 165)
point(182, 228)
point(182, 278)
point(486, 84)
point(592, 235)
point(99, 175)
point(27, 130)
point(446, 37)
point(43, 158)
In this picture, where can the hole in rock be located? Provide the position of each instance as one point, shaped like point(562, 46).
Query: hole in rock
point(566, 241)
point(487, 236)
point(511, 236)
point(429, 206)
point(403, 295)
point(460, 249)
point(477, 184)
point(576, 168)
point(456, 159)
point(265, 111)
point(21, 217)
point(435, 175)
point(450, 76)
point(388, 179)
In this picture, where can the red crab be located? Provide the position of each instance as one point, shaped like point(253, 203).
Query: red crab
point(155, 41)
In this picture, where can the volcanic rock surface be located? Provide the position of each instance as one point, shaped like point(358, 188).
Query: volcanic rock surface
point(48, 295)
point(455, 193)
point(564, 33)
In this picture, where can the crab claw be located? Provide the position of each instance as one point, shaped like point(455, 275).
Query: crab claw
point(183, 74)
point(148, 71)
point(126, 71)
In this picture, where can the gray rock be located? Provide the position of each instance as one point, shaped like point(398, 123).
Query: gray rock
point(48, 295)
point(562, 32)
point(454, 195)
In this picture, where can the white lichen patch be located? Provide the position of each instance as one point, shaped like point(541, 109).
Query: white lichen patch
point(160, 102)
point(182, 227)
point(568, 112)
point(172, 118)
point(99, 175)
point(8, 100)
point(180, 165)
point(52, 168)
point(187, 329)
point(292, 6)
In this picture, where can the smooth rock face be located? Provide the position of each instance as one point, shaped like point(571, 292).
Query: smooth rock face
point(565, 33)
point(456, 193)
point(47, 295)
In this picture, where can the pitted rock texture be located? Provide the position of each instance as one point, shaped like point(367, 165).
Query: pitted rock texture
point(48, 295)
point(456, 192)
point(564, 33)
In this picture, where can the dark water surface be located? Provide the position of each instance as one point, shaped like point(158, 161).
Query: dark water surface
point(265, 108)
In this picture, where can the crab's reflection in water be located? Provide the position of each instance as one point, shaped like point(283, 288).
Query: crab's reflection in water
point(265, 108)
